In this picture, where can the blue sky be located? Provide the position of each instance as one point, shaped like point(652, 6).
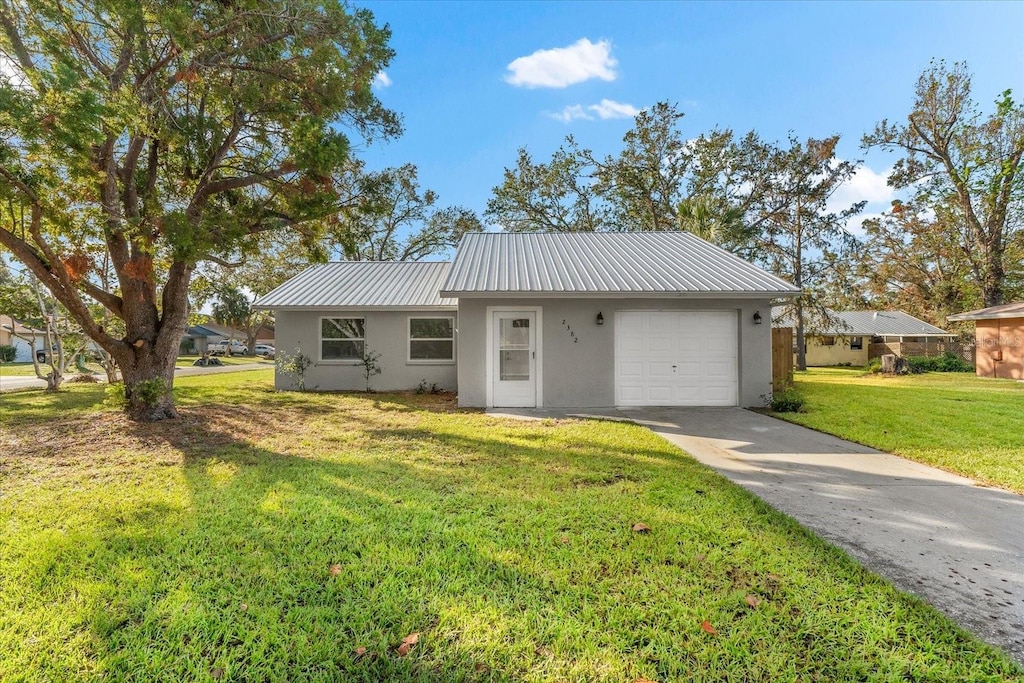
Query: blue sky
point(814, 68)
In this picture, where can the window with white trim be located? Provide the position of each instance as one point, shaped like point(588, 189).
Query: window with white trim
point(342, 338)
point(857, 343)
point(431, 339)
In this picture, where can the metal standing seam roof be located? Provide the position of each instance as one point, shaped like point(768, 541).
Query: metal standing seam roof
point(604, 263)
point(363, 284)
point(991, 313)
point(877, 323)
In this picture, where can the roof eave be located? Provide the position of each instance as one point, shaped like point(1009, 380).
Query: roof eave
point(439, 307)
point(967, 317)
point(509, 294)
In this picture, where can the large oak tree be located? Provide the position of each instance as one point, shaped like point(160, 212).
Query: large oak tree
point(158, 135)
point(967, 164)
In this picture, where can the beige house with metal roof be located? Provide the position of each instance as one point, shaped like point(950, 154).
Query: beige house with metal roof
point(543, 320)
point(848, 339)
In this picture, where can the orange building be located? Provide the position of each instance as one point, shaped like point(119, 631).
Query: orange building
point(999, 334)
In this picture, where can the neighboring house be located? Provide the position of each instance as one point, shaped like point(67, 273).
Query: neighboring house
point(199, 338)
point(542, 320)
point(999, 335)
point(13, 333)
point(848, 340)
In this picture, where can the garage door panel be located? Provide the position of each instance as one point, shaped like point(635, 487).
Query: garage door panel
point(631, 369)
point(676, 358)
point(631, 395)
point(719, 370)
point(632, 344)
point(689, 345)
point(660, 344)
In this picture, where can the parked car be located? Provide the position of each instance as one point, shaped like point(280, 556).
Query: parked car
point(42, 355)
point(238, 348)
point(265, 350)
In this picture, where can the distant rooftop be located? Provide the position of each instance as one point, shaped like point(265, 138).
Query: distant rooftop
point(991, 313)
point(877, 323)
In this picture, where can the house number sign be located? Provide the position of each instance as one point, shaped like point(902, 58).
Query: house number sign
point(572, 335)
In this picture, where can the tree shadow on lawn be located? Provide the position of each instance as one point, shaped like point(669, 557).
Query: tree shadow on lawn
point(414, 553)
point(231, 566)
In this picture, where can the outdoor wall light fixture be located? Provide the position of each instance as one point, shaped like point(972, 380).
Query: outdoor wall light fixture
point(600, 318)
point(757, 318)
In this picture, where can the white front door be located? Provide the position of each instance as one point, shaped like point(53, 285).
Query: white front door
point(514, 371)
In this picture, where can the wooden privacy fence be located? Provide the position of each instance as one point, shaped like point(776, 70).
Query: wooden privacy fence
point(782, 358)
point(928, 349)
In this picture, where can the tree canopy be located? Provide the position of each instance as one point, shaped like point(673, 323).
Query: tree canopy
point(152, 136)
point(967, 165)
point(658, 181)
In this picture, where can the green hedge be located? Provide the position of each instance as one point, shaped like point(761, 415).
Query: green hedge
point(949, 362)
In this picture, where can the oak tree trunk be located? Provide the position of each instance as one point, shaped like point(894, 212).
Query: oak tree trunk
point(148, 383)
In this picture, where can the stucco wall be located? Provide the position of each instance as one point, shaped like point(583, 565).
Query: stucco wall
point(1000, 337)
point(387, 333)
point(581, 374)
point(819, 355)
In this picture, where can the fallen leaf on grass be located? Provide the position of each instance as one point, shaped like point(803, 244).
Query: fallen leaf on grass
point(217, 673)
point(708, 628)
point(243, 607)
point(335, 569)
point(565, 539)
point(641, 528)
point(480, 668)
point(407, 643)
point(753, 601)
point(644, 680)
point(360, 651)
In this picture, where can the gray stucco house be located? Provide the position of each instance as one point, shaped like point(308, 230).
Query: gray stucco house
point(543, 320)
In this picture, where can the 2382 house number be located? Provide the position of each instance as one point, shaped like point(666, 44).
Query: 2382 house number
point(572, 335)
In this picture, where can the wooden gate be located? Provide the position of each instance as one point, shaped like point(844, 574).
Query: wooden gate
point(782, 358)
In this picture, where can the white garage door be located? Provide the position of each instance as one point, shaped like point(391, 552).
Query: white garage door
point(676, 358)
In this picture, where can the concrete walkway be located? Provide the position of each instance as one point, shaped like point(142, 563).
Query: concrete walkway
point(956, 544)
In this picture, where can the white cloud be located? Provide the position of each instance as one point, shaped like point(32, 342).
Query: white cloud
point(605, 109)
point(571, 113)
point(610, 109)
point(381, 80)
point(855, 225)
point(11, 72)
point(563, 66)
point(865, 185)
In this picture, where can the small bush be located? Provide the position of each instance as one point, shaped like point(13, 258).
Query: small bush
point(295, 365)
point(788, 401)
point(949, 362)
point(7, 353)
point(874, 366)
point(115, 396)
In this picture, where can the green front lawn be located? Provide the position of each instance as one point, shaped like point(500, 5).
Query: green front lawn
point(282, 536)
point(959, 422)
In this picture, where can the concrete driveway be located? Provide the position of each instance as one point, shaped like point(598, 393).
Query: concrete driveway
point(958, 545)
point(952, 542)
